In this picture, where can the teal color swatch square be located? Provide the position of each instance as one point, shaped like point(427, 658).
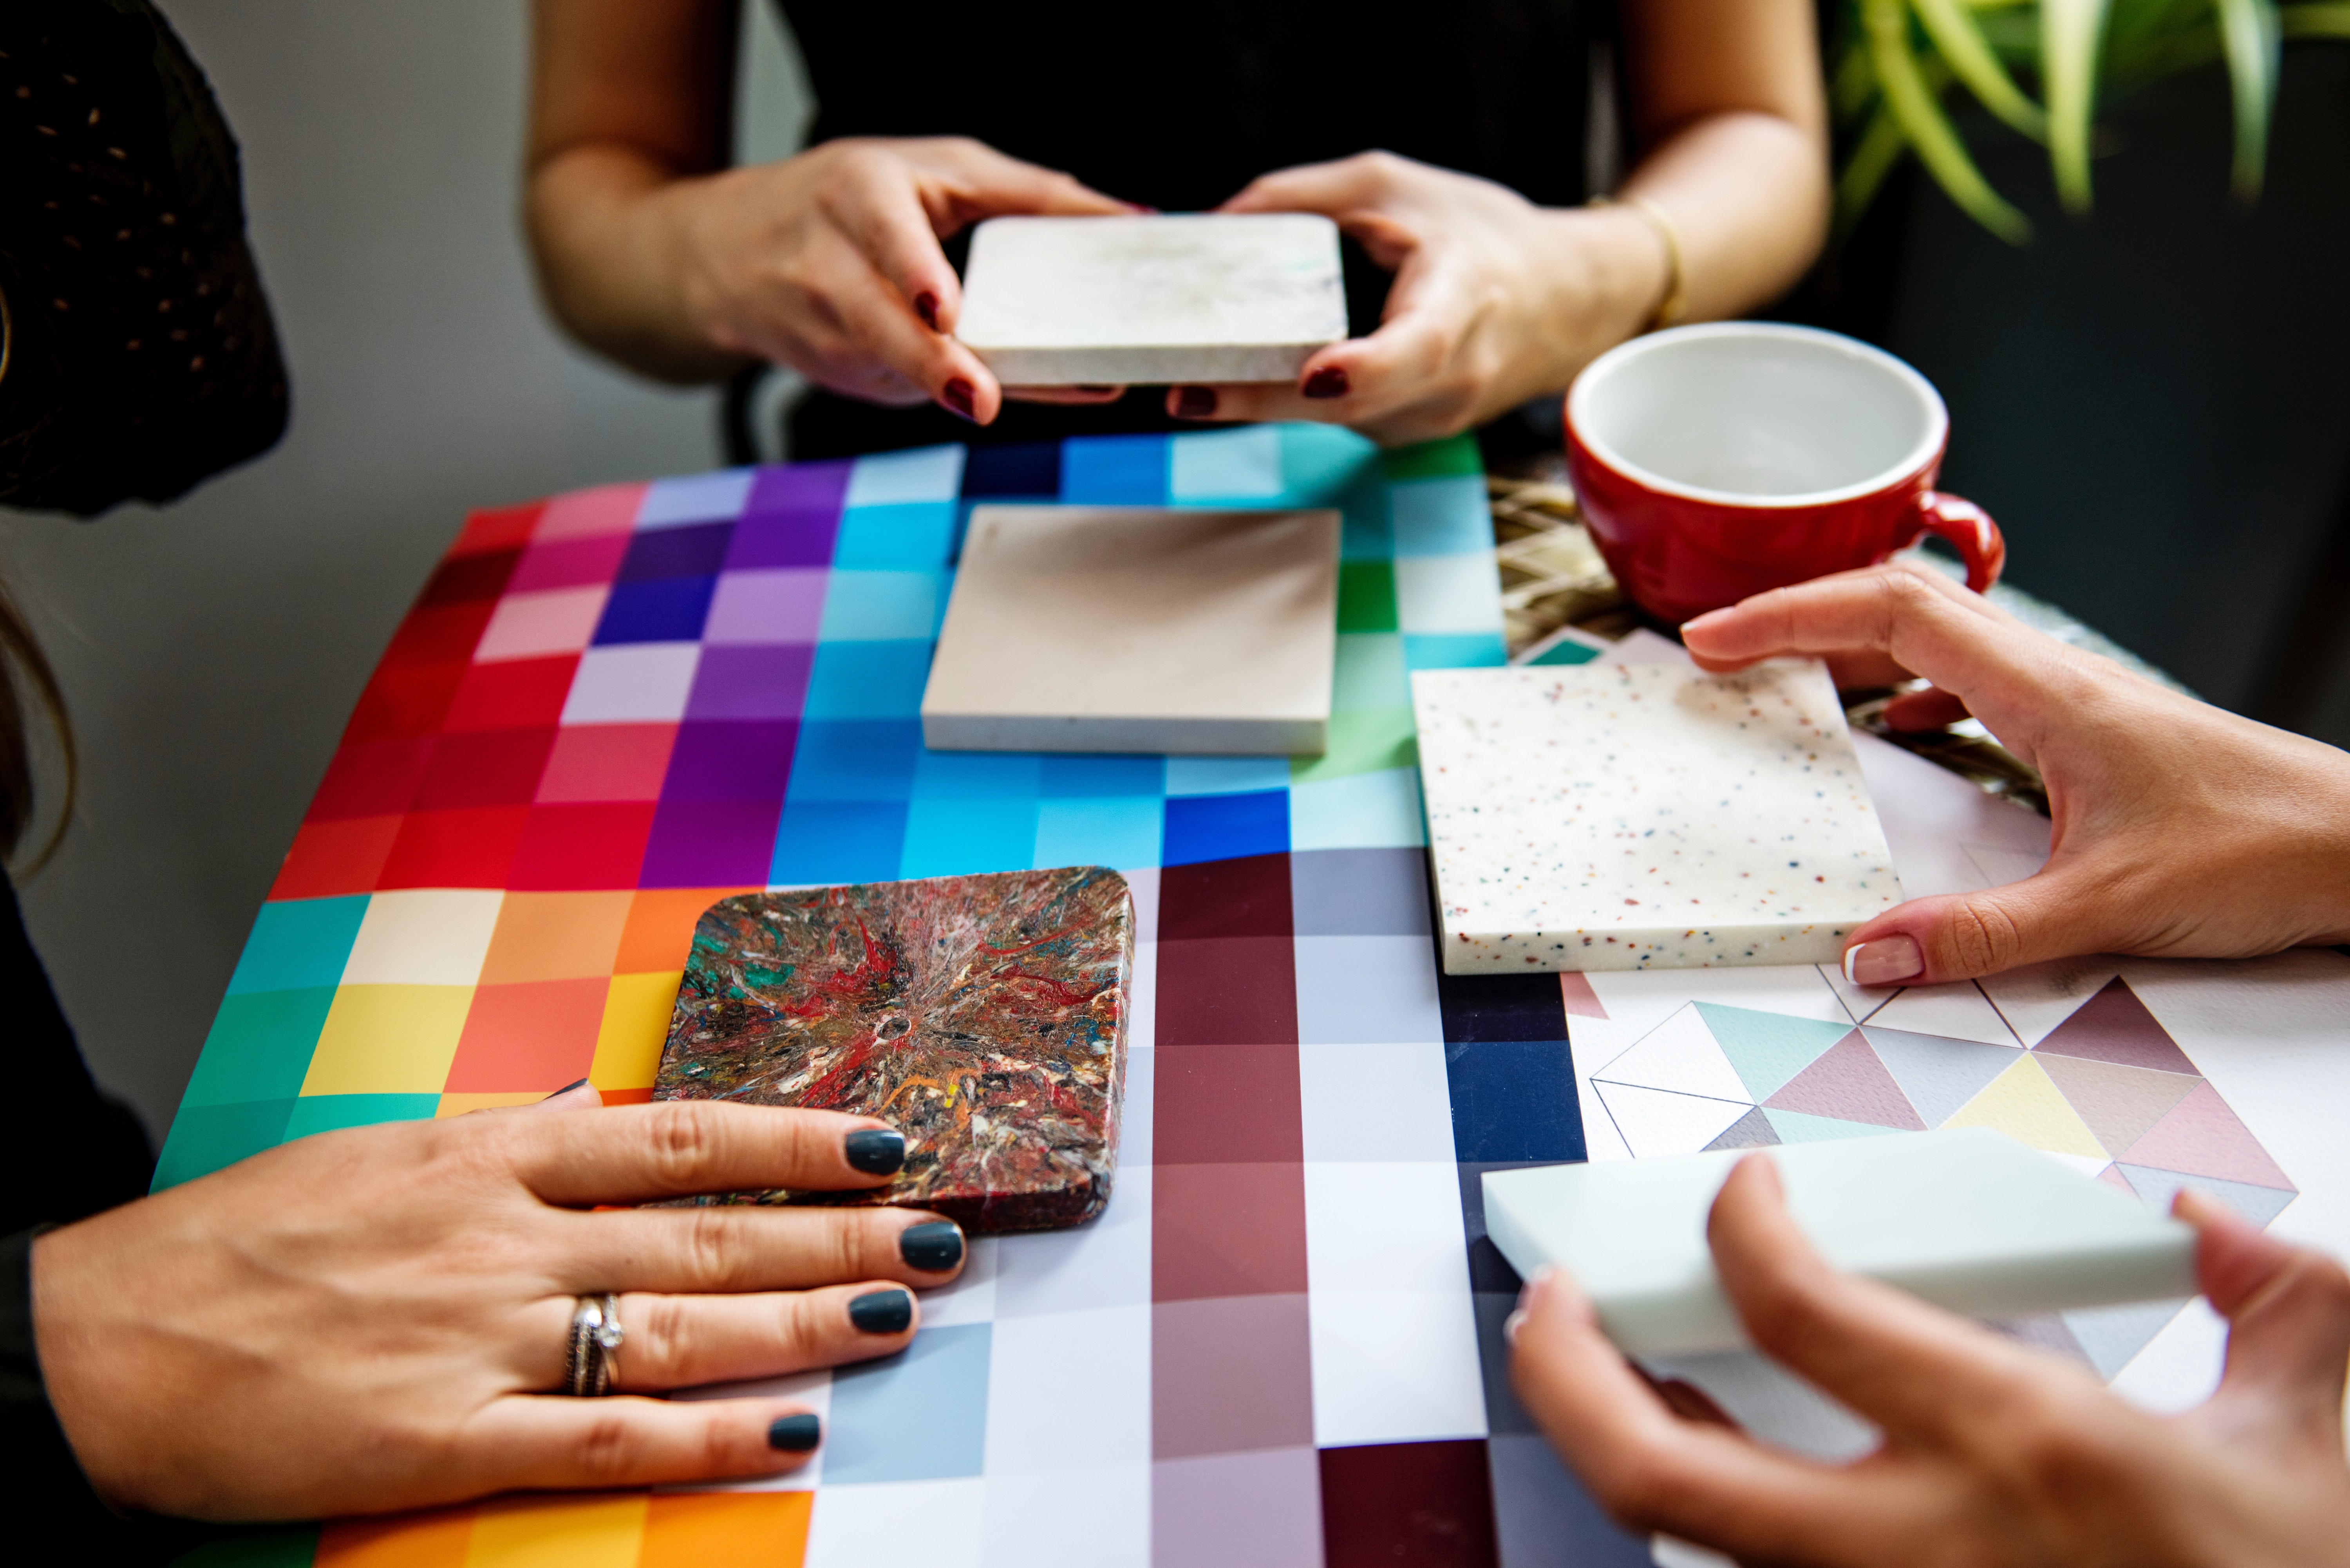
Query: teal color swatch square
point(204, 1138)
point(914, 535)
point(330, 1113)
point(299, 942)
point(260, 1045)
point(1454, 651)
point(1116, 831)
point(1441, 516)
point(868, 681)
point(966, 836)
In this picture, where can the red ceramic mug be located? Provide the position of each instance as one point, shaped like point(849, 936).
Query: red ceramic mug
point(1716, 462)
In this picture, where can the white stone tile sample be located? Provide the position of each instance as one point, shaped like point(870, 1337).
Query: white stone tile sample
point(1139, 628)
point(1604, 816)
point(1191, 298)
point(1966, 1217)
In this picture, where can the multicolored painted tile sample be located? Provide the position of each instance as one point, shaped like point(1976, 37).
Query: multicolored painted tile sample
point(984, 1017)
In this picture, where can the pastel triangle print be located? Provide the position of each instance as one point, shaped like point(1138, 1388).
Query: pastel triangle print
point(1768, 1048)
point(1795, 1127)
point(2258, 1204)
point(1680, 1054)
point(1850, 1083)
point(1938, 1075)
point(2201, 1137)
point(2114, 1026)
point(1752, 1130)
point(2024, 1103)
point(1658, 1121)
point(2120, 1104)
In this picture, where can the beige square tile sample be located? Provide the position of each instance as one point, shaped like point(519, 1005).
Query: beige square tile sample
point(1606, 817)
point(1057, 302)
point(1138, 629)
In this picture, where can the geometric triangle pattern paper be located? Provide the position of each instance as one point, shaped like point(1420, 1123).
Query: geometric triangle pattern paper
point(1851, 1084)
point(1680, 1054)
point(1795, 1127)
point(1658, 1122)
point(1752, 1130)
point(2114, 1026)
point(2025, 1104)
point(1768, 1048)
point(2120, 1104)
point(2258, 1205)
point(2111, 1336)
point(1939, 1074)
point(2201, 1137)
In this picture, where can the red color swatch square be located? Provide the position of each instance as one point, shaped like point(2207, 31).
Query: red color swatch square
point(537, 1036)
point(403, 701)
point(1221, 1103)
point(471, 848)
point(485, 767)
point(1227, 1230)
point(461, 580)
point(371, 778)
point(511, 694)
point(1408, 1505)
point(582, 845)
point(1235, 990)
point(331, 858)
point(607, 761)
point(439, 634)
point(1248, 897)
point(497, 528)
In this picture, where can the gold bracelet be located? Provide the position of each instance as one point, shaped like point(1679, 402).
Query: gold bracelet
point(1670, 308)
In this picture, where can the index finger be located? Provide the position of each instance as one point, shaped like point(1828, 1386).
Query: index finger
point(679, 1148)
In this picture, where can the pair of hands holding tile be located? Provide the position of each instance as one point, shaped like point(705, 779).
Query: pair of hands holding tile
point(2180, 830)
point(368, 1319)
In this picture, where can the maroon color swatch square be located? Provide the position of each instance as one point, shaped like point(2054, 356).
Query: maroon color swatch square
point(1221, 1103)
point(439, 634)
point(1248, 897)
point(403, 701)
point(1408, 1505)
point(582, 846)
point(511, 693)
point(1231, 1375)
point(463, 578)
point(486, 767)
point(469, 848)
point(568, 563)
point(1239, 991)
point(371, 778)
point(497, 528)
point(1226, 1230)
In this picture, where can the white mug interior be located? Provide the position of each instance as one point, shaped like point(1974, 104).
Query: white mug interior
point(1754, 414)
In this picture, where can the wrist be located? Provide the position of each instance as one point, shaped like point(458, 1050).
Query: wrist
point(1611, 274)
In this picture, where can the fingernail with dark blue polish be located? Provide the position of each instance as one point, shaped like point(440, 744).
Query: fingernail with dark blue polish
point(883, 1312)
point(876, 1151)
point(568, 1088)
point(795, 1434)
point(1195, 402)
point(933, 1248)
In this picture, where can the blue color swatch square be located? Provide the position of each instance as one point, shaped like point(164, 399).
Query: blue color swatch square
point(920, 1415)
point(668, 609)
point(1513, 1099)
point(1114, 470)
point(1225, 827)
point(839, 841)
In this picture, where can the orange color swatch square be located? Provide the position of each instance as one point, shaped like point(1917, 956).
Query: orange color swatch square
point(555, 936)
point(540, 1035)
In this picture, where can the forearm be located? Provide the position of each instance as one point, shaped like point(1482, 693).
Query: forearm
point(1747, 195)
point(604, 232)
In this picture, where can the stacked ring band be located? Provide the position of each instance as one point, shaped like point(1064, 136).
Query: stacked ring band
point(591, 1355)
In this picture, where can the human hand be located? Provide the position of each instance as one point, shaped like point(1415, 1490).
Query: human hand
point(367, 1320)
point(1993, 1453)
point(1495, 300)
point(829, 262)
point(2180, 830)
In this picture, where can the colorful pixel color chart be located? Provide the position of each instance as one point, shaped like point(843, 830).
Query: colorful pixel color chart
point(1280, 1344)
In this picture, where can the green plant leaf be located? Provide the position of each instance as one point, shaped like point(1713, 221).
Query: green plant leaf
point(1962, 44)
point(1872, 157)
point(2316, 21)
point(1927, 128)
point(2069, 32)
point(2249, 30)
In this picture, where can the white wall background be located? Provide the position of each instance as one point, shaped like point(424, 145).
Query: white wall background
point(212, 649)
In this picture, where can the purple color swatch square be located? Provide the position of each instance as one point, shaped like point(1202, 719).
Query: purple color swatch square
point(717, 760)
point(783, 604)
point(791, 518)
point(694, 550)
point(750, 682)
point(709, 844)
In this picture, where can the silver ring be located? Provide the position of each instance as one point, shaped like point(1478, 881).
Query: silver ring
point(591, 1355)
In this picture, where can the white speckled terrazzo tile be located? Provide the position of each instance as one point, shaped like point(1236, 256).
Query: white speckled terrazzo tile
point(1647, 816)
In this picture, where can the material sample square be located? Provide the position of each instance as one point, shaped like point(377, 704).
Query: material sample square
point(1057, 302)
point(1967, 1218)
point(984, 1017)
point(1607, 816)
point(1104, 628)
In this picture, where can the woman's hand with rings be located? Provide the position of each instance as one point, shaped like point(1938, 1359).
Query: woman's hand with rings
point(830, 262)
point(1495, 300)
point(375, 1319)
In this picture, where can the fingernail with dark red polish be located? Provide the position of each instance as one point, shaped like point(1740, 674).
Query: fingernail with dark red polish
point(1329, 381)
point(795, 1434)
point(926, 306)
point(1195, 402)
point(1887, 961)
point(883, 1312)
point(876, 1151)
point(957, 395)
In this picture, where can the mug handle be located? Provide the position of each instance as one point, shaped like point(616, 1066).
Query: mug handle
point(1970, 531)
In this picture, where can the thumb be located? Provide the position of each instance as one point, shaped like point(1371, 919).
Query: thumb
point(2288, 1311)
point(1958, 936)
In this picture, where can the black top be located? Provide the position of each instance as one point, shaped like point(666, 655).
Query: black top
point(1179, 107)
